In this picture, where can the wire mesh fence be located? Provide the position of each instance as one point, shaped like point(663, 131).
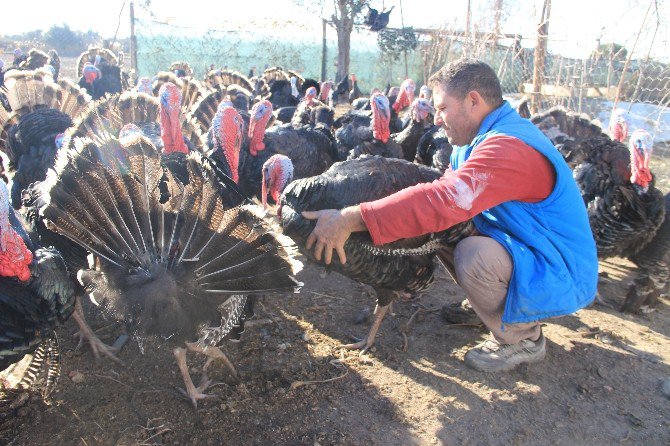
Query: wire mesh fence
point(632, 73)
point(627, 75)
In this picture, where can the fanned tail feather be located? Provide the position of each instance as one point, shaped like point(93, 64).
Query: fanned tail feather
point(151, 233)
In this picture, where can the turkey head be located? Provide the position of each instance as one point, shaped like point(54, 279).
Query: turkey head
point(405, 96)
point(15, 258)
point(227, 136)
point(381, 115)
point(260, 115)
point(169, 97)
point(421, 109)
point(619, 125)
point(641, 146)
point(277, 173)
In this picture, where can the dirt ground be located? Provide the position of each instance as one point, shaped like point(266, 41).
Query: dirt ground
point(600, 383)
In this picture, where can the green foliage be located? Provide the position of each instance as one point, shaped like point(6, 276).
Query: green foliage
point(64, 40)
point(618, 52)
point(394, 42)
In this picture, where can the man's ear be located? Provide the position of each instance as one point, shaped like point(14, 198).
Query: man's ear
point(474, 99)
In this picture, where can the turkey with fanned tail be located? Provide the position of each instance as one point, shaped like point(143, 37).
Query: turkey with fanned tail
point(179, 265)
point(405, 266)
point(41, 110)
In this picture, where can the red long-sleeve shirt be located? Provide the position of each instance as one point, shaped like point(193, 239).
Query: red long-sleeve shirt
point(499, 169)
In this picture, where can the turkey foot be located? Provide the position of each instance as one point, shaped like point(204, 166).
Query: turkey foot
point(213, 353)
point(365, 344)
point(192, 392)
point(85, 332)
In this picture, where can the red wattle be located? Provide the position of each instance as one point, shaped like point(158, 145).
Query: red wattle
point(16, 259)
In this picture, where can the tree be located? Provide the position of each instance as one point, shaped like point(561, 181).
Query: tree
point(610, 51)
point(344, 18)
point(347, 13)
point(395, 42)
point(64, 40)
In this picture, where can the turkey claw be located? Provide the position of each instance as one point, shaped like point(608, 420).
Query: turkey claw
point(197, 394)
point(363, 345)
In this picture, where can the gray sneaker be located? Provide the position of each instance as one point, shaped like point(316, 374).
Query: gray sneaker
point(492, 356)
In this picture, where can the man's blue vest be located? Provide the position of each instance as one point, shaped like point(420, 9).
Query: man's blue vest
point(550, 242)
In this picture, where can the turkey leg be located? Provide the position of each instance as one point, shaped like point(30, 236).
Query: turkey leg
point(365, 344)
point(213, 353)
point(85, 332)
point(192, 392)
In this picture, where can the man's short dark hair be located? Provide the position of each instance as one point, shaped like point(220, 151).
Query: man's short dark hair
point(465, 75)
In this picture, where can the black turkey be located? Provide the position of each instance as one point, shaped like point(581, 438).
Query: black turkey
point(35, 295)
point(625, 208)
point(309, 147)
point(377, 20)
point(281, 94)
point(179, 266)
point(653, 262)
point(420, 117)
point(405, 266)
point(355, 92)
point(434, 149)
point(302, 114)
point(405, 95)
point(353, 141)
point(567, 131)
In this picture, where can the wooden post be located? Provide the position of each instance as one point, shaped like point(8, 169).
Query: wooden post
point(540, 54)
point(630, 56)
point(402, 22)
point(468, 20)
point(133, 41)
point(324, 54)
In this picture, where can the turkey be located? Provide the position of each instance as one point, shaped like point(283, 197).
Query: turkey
point(41, 111)
point(302, 114)
point(405, 266)
point(95, 55)
point(160, 119)
point(568, 131)
point(177, 266)
point(625, 208)
point(426, 93)
point(523, 108)
point(35, 296)
point(309, 148)
point(377, 20)
point(173, 157)
point(281, 94)
point(420, 116)
point(434, 149)
point(221, 79)
point(405, 96)
point(653, 262)
point(618, 126)
point(326, 91)
point(88, 76)
point(181, 69)
point(355, 92)
point(341, 91)
point(191, 90)
point(38, 59)
point(355, 141)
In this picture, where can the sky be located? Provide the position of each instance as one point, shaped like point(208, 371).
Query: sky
point(574, 27)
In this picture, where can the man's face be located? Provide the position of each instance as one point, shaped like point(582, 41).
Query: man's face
point(457, 116)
